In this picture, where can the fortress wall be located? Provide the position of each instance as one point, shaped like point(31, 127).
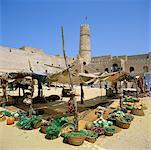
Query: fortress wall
point(101, 59)
point(138, 65)
point(100, 67)
point(18, 60)
point(141, 56)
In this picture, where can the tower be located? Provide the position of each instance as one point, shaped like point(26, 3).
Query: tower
point(84, 47)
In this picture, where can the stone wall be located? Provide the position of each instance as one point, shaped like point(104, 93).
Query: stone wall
point(141, 63)
point(18, 60)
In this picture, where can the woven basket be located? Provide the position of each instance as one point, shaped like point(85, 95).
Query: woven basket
point(107, 133)
point(137, 112)
point(76, 140)
point(122, 125)
point(112, 119)
point(90, 139)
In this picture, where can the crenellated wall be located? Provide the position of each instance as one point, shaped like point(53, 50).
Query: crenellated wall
point(141, 63)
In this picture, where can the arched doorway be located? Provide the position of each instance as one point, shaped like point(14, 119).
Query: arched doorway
point(145, 68)
point(115, 67)
point(106, 70)
point(132, 69)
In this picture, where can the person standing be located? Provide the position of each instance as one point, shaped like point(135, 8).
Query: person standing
point(82, 93)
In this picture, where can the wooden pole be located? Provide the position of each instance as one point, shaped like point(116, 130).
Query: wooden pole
point(70, 79)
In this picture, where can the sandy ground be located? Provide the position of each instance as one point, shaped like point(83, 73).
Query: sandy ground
point(89, 92)
point(137, 137)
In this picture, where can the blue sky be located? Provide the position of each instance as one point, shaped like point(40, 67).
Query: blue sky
point(118, 27)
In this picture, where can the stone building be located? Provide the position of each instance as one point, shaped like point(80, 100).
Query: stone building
point(138, 63)
point(12, 59)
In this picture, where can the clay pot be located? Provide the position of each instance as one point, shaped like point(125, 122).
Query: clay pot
point(10, 120)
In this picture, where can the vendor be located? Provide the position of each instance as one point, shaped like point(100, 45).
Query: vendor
point(82, 93)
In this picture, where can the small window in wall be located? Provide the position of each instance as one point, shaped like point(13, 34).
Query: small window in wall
point(51, 64)
point(10, 50)
point(85, 71)
point(132, 69)
point(145, 68)
point(46, 71)
point(37, 62)
point(84, 63)
point(106, 70)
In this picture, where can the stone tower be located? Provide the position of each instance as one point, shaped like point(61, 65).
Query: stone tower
point(84, 48)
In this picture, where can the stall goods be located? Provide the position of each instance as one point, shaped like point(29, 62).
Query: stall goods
point(10, 120)
point(10, 114)
point(89, 125)
point(53, 131)
point(128, 103)
point(122, 123)
point(29, 123)
point(91, 136)
point(75, 138)
point(98, 130)
point(108, 131)
point(121, 119)
point(102, 123)
point(122, 115)
point(129, 99)
point(6, 113)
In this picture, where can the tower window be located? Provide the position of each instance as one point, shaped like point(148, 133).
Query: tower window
point(132, 69)
point(84, 63)
point(85, 71)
